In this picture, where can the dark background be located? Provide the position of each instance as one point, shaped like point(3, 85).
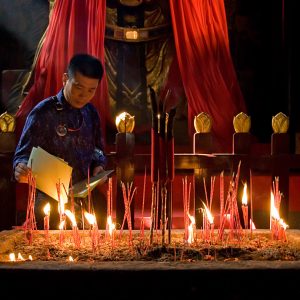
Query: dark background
point(263, 45)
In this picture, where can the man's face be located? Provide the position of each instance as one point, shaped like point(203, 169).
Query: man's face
point(79, 90)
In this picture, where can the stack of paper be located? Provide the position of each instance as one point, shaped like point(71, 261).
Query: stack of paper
point(49, 171)
point(81, 189)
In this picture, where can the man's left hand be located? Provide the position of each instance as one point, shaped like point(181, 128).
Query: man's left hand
point(97, 170)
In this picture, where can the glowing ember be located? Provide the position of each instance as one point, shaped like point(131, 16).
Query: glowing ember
point(12, 257)
point(20, 257)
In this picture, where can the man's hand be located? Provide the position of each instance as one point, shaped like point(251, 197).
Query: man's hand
point(97, 170)
point(21, 172)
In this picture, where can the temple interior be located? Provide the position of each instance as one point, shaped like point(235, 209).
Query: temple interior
point(142, 48)
point(208, 91)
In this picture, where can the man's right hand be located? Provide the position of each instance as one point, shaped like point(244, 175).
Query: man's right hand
point(21, 173)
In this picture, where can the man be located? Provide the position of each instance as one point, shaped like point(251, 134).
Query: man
point(66, 125)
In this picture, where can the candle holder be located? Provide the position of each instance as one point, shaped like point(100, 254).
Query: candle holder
point(125, 144)
point(280, 140)
point(242, 137)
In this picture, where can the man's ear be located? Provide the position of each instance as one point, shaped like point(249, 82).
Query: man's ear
point(65, 78)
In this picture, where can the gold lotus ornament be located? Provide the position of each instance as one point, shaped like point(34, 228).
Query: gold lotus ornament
point(7, 123)
point(202, 123)
point(280, 123)
point(242, 122)
point(125, 122)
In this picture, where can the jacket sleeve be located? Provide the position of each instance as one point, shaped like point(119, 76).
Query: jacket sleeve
point(27, 140)
point(99, 157)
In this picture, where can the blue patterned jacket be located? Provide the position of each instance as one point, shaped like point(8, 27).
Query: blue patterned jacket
point(69, 133)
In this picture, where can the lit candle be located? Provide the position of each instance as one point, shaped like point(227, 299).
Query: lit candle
point(245, 206)
point(94, 232)
point(76, 236)
point(191, 229)
point(210, 220)
point(61, 232)
point(46, 220)
point(274, 218)
point(111, 229)
point(62, 222)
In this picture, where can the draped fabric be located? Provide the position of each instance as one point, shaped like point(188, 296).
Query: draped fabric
point(74, 27)
point(207, 71)
point(202, 49)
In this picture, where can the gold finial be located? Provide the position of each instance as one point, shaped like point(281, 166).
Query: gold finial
point(202, 123)
point(125, 122)
point(7, 123)
point(242, 122)
point(280, 123)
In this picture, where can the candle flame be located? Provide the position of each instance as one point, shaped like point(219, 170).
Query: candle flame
point(245, 196)
point(283, 224)
point(70, 258)
point(20, 257)
point(47, 209)
point(192, 218)
point(191, 234)
point(274, 211)
point(208, 214)
point(61, 225)
point(252, 225)
point(71, 216)
point(12, 257)
point(30, 257)
point(111, 225)
point(90, 218)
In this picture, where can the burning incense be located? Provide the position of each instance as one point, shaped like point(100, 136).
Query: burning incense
point(61, 228)
point(251, 206)
point(142, 226)
point(109, 205)
point(186, 206)
point(30, 223)
point(153, 210)
point(127, 197)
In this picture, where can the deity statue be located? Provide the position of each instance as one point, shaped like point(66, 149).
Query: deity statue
point(138, 52)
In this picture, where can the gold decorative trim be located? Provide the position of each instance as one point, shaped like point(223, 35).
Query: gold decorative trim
point(133, 34)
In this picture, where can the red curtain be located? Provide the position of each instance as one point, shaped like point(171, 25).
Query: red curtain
point(74, 27)
point(206, 68)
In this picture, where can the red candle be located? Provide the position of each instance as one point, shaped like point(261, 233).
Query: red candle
point(46, 220)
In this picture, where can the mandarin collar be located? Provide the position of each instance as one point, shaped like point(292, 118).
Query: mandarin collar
point(61, 98)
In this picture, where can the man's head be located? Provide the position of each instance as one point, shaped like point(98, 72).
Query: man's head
point(81, 80)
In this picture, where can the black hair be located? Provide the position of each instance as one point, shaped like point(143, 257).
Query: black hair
point(87, 65)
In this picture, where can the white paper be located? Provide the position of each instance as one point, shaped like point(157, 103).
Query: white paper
point(49, 171)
